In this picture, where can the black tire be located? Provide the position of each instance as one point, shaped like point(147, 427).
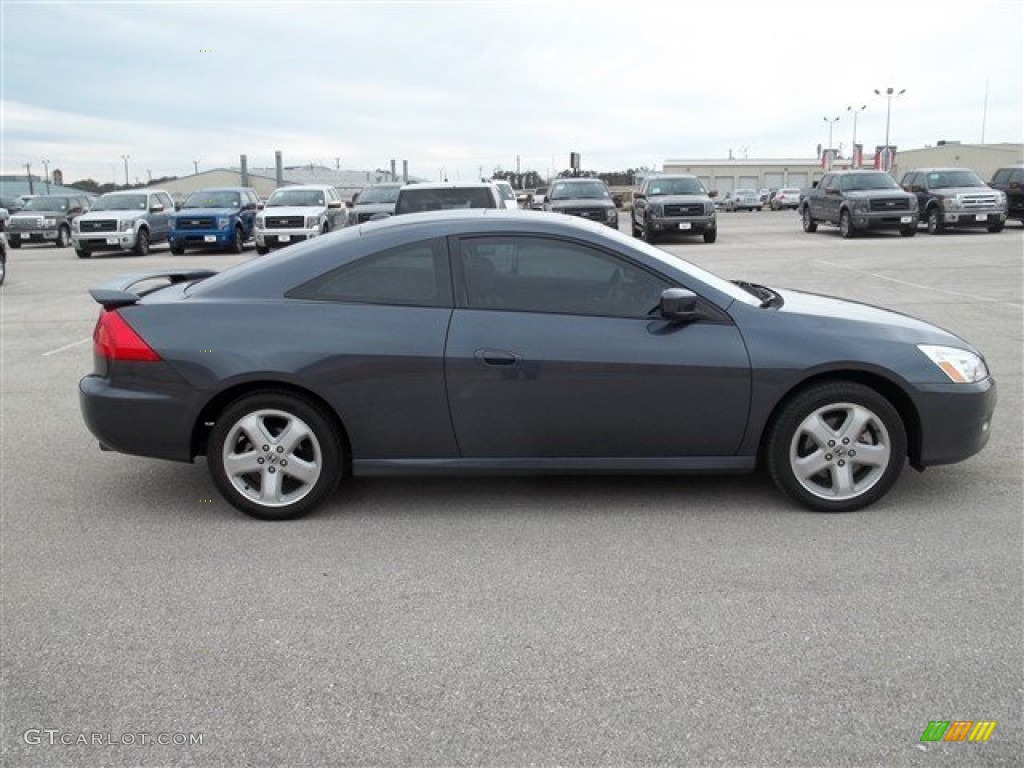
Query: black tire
point(177, 250)
point(995, 228)
point(836, 411)
point(846, 225)
point(14, 244)
point(319, 451)
point(648, 235)
point(710, 235)
point(3, 267)
point(807, 221)
point(908, 230)
point(934, 222)
point(235, 246)
point(262, 250)
point(141, 243)
point(83, 254)
point(635, 229)
point(63, 238)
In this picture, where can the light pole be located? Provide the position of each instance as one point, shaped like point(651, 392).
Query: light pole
point(889, 93)
point(831, 121)
point(195, 164)
point(46, 174)
point(855, 110)
point(125, 158)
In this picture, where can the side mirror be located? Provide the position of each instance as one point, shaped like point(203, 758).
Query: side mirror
point(259, 206)
point(177, 206)
point(334, 204)
point(678, 305)
point(349, 204)
point(157, 209)
point(639, 196)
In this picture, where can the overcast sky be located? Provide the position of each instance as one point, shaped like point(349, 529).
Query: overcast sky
point(464, 85)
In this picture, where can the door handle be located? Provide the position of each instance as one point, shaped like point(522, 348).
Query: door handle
point(497, 357)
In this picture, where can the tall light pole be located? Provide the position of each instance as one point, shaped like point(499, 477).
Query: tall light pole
point(831, 121)
point(195, 164)
point(125, 158)
point(46, 174)
point(889, 93)
point(855, 110)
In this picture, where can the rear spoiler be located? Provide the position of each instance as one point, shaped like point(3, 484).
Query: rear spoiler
point(116, 293)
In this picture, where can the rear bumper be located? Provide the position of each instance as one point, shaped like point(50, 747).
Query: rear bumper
point(134, 422)
point(955, 420)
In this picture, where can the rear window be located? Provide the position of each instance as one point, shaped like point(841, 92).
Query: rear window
point(412, 200)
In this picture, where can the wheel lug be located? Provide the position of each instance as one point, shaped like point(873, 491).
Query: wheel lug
point(259, 461)
point(280, 449)
point(831, 443)
point(828, 457)
point(271, 470)
point(266, 447)
point(846, 441)
point(853, 452)
point(841, 464)
point(284, 462)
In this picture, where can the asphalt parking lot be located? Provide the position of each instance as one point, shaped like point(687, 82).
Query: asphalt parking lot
point(553, 621)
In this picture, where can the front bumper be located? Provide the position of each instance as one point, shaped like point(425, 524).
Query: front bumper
point(955, 420)
point(195, 238)
point(985, 218)
point(106, 241)
point(862, 220)
point(139, 423)
point(682, 225)
point(280, 238)
point(32, 235)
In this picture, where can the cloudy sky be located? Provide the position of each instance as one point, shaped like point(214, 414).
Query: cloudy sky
point(461, 86)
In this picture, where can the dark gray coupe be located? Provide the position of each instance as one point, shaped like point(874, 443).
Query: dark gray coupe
point(502, 341)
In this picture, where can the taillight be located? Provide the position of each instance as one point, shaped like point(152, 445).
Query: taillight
point(114, 339)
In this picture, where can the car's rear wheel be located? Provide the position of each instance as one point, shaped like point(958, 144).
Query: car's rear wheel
point(649, 236)
point(274, 455)
point(908, 230)
point(142, 243)
point(836, 447)
point(14, 244)
point(934, 222)
point(998, 227)
point(808, 222)
point(177, 250)
point(262, 249)
point(63, 238)
point(83, 254)
point(846, 225)
point(236, 241)
point(710, 235)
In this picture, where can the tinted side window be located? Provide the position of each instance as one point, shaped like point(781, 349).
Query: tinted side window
point(414, 275)
point(830, 182)
point(1001, 176)
point(1017, 176)
point(527, 274)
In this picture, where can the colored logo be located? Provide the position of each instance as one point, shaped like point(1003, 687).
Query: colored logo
point(958, 730)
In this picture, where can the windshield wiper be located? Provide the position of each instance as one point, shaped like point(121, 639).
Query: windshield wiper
point(768, 297)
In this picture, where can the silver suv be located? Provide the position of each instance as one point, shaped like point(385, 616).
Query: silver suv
point(123, 221)
point(294, 214)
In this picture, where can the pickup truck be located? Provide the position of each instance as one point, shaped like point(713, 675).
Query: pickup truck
point(46, 219)
point(857, 201)
point(680, 205)
point(220, 218)
point(955, 197)
point(129, 220)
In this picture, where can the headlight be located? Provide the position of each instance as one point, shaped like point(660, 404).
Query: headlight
point(959, 365)
point(128, 225)
point(222, 222)
point(49, 222)
point(259, 222)
point(312, 222)
point(861, 204)
point(1001, 199)
point(951, 203)
point(611, 214)
point(656, 209)
point(74, 226)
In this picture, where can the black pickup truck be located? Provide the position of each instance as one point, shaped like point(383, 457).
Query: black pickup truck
point(857, 201)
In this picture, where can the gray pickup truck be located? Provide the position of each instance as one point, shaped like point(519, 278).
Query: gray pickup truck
point(46, 219)
point(673, 205)
point(858, 201)
point(955, 197)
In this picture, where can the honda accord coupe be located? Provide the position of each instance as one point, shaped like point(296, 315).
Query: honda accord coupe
point(491, 341)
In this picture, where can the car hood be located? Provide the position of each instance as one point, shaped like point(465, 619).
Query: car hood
point(831, 313)
point(111, 215)
point(374, 208)
point(205, 212)
point(293, 210)
point(37, 214)
point(962, 190)
point(859, 193)
point(581, 202)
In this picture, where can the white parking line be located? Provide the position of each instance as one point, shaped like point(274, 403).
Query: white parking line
point(918, 285)
point(66, 346)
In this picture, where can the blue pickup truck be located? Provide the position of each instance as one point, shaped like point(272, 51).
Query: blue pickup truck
point(219, 218)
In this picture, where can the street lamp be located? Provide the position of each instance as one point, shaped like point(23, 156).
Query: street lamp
point(46, 174)
point(889, 93)
point(831, 121)
point(195, 164)
point(853, 145)
point(125, 158)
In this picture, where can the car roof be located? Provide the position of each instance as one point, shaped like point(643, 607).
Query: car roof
point(224, 189)
point(302, 187)
point(451, 185)
point(132, 192)
point(936, 170)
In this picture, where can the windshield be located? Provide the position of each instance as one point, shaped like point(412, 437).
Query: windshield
point(303, 198)
point(965, 178)
point(677, 187)
point(213, 199)
point(378, 195)
point(587, 190)
point(47, 204)
point(868, 181)
point(120, 203)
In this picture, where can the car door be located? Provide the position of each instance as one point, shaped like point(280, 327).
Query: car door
point(553, 352)
point(158, 219)
point(247, 214)
point(830, 199)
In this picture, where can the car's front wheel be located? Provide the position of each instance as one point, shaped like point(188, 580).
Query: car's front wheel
point(710, 235)
point(836, 447)
point(994, 228)
point(934, 222)
point(262, 250)
point(908, 230)
point(274, 455)
point(808, 222)
point(63, 238)
point(142, 243)
point(846, 225)
point(236, 244)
